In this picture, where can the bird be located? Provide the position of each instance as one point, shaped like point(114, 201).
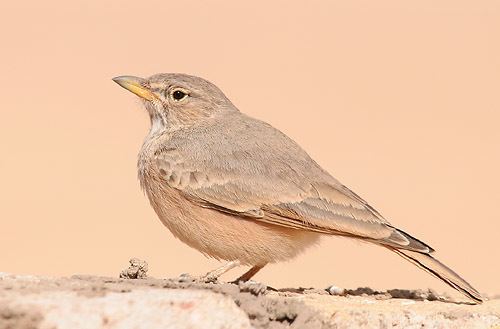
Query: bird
point(239, 190)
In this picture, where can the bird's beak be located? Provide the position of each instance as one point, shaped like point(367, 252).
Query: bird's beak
point(135, 85)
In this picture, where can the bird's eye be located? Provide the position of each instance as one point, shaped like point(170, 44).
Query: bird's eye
point(178, 95)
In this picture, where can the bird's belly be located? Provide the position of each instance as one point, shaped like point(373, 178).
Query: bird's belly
point(223, 236)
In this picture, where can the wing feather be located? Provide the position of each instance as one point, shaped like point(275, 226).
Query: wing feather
point(278, 185)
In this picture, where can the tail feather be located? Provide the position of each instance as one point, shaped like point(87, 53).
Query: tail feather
point(441, 271)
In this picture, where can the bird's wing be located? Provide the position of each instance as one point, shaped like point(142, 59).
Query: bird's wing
point(275, 183)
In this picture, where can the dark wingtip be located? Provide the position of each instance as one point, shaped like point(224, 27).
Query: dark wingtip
point(415, 244)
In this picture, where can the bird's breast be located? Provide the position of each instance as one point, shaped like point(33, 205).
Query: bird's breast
point(213, 233)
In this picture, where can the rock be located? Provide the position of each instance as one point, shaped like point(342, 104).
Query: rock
point(185, 277)
point(92, 302)
point(139, 307)
point(253, 287)
point(137, 270)
point(335, 291)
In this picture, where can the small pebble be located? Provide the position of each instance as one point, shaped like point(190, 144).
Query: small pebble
point(253, 287)
point(185, 277)
point(137, 270)
point(335, 291)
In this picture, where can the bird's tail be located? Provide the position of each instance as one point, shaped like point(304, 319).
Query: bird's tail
point(441, 271)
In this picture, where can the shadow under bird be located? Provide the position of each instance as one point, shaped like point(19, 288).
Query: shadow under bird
point(237, 189)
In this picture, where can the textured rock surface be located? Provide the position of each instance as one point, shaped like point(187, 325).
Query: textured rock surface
point(96, 302)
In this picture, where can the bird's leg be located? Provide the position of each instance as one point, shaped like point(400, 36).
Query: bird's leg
point(212, 276)
point(249, 274)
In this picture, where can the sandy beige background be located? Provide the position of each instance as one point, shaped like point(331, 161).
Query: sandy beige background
point(400, 100)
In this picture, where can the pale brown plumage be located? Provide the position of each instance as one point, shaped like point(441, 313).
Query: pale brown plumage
point(237, 189)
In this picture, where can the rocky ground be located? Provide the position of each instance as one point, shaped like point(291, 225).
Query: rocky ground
point(135, 301)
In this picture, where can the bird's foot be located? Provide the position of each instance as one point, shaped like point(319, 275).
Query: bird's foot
point(213, 276)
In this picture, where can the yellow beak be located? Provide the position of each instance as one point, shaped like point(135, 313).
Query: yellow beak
point(135, 85)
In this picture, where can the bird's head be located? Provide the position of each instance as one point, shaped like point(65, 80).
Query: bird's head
point(176, 100)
